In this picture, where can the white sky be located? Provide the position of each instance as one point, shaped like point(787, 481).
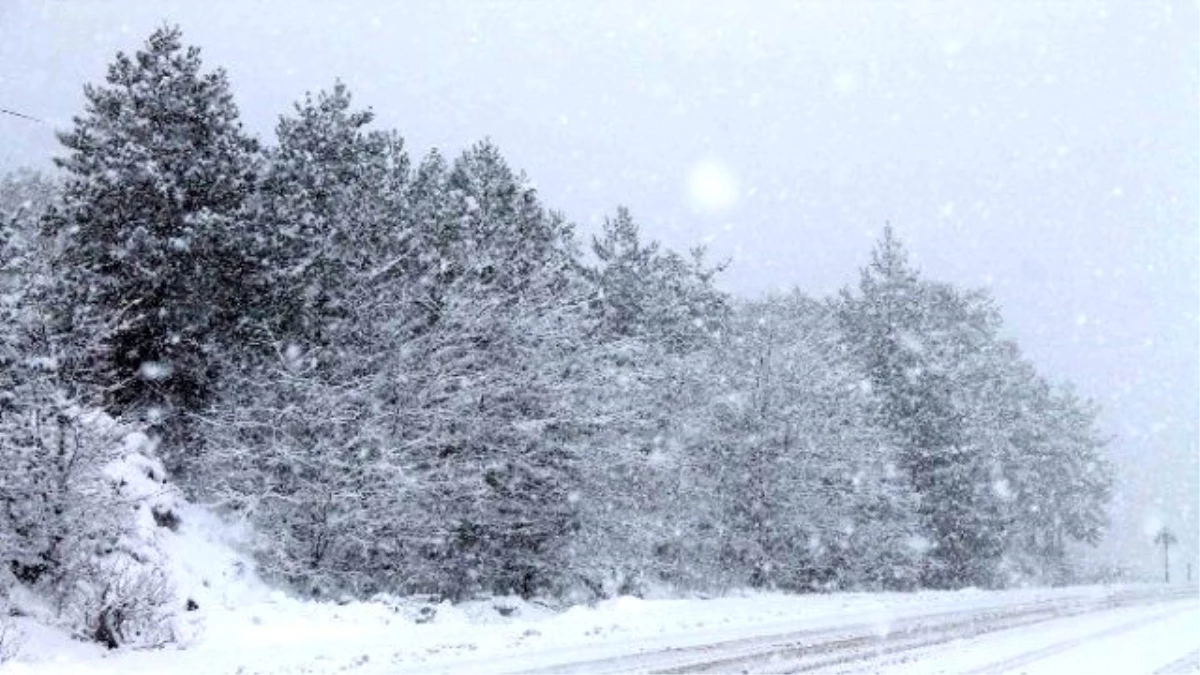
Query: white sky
point(1048, 151)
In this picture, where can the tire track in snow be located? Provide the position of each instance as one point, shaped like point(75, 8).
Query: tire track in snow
point(856, 644)
point(1188, 664)
point(723, 656)
point(853, 653)
point(1067, 645)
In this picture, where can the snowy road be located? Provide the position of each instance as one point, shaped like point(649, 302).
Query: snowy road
point(1133, 632)
point(1094, 629)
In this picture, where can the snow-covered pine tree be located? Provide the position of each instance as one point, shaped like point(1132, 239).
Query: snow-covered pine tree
point(982, 440)
point(295, 447)
point(1076, 487)
point(425, 443)
point(1057, 480)
point(895, 326)
point(25, 195)
point(297, 441)
point(156, 173)
point(959, 338)
point(645, 504)
point(808, 482)
point(652, 293)
point(329, 212)
point(480, 388)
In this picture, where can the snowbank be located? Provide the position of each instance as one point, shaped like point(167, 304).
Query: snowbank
point(243, 626)
point(230, 621)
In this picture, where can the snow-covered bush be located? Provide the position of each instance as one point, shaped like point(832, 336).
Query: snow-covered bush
point(77, 525)
point(10, 639)
point(116, 602)
point(55, 497)
point(122, 594)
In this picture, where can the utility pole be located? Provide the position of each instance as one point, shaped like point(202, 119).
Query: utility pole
point(1166, 538)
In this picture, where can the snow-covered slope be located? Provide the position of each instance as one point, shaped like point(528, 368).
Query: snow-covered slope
point(243, 626)
point(239, 624)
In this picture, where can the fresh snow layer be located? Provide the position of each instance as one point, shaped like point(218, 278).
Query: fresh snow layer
point(1142, 639)
point(282, 635)
point(243, 626)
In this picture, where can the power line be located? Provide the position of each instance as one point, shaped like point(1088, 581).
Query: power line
point(14, 113)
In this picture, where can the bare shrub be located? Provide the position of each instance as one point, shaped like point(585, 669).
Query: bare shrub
point(123, 604)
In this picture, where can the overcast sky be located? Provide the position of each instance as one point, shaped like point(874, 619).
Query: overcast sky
point(1046, 151)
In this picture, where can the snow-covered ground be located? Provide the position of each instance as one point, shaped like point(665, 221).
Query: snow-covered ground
point(242, 626)
point(628, 635)
point(1144, 639)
